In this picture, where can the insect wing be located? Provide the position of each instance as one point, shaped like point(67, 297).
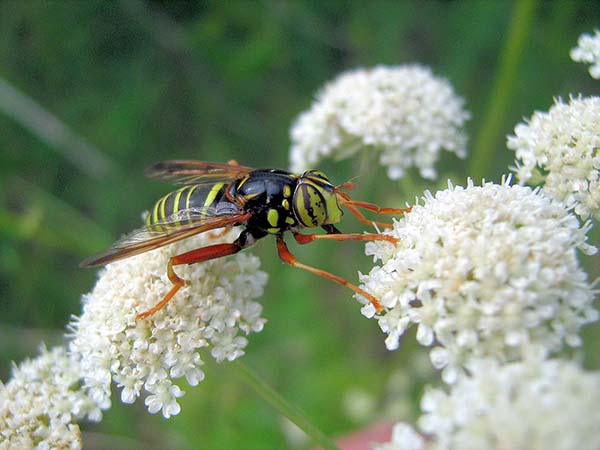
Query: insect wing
point(196, 172)
point(171, 230)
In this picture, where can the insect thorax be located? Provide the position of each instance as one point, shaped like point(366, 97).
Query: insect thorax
point(281, 201)
point(267, 195)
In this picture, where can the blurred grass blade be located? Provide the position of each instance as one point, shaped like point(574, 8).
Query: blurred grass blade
point(51, 222)
point(286, 409)
point(54, 132)
point(502, 90)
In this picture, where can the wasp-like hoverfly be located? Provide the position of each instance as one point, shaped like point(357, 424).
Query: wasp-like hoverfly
point(263, 201)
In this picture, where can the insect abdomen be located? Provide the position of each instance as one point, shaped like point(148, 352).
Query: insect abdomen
point(191, 203)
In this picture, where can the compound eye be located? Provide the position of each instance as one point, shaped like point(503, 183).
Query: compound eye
point(316, 176)
point(309, 205)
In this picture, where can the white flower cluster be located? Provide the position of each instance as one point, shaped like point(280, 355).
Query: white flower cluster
point(536, 405)
point(562, 146)
point(149, 354)
point(404, 437)
point(485, 271)
point(42, 403)
point(405, 112)
point(588, 51)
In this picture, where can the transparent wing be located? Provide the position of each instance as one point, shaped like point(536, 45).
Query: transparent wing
point(196, 172)
point(175, 228)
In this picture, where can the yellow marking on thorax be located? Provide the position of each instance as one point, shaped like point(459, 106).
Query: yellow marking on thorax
point(273, 217)
point(242, 181)
point(287, 191)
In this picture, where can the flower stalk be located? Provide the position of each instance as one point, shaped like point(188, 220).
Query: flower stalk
point(293, 413)
point(483, 146)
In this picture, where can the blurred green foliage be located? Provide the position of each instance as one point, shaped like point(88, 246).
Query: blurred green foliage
point(142, 81)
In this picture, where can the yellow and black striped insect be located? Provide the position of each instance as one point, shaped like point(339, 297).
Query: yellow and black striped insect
point(263, 201)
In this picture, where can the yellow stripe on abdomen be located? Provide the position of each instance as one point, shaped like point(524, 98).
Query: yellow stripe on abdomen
point(210, 198)
point(178, 194)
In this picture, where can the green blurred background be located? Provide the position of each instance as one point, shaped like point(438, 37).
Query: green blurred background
point(92, 92)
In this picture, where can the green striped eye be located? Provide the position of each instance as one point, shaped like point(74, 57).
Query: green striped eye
point(314, 202)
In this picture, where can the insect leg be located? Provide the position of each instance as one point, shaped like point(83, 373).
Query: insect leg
point(308, 238)
point(195, 256)
point(353, 206)
point(290, 259)
point(377, 209)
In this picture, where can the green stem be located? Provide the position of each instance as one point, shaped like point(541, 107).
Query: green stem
point(512, 53)
point(408, 185)
point(280, 404)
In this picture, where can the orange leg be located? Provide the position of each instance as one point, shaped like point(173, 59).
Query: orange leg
point(307, 238)
point(191, 257)
point(377, 209)
point(352, 206)
point(290, 259)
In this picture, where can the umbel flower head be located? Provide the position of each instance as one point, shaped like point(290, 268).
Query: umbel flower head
point(209, 312)
point(42, 403)
point(561, 148)
point(404, 112)
point(588, 51)
point(484, 270)
point(536, 405)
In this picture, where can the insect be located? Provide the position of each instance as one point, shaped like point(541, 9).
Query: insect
point(263, 201)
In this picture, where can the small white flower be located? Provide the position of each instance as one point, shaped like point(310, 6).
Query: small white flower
point(588, 51)
point(561, 147)
point(404, 437)
point(42, 403)
point(404, 112)
point(163, 398)
point(487, 271)
point(534, 405)
point(147, 355)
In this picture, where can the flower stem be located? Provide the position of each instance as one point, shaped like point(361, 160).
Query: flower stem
point(280, 404)
point(483, 146)
point(408, 185)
